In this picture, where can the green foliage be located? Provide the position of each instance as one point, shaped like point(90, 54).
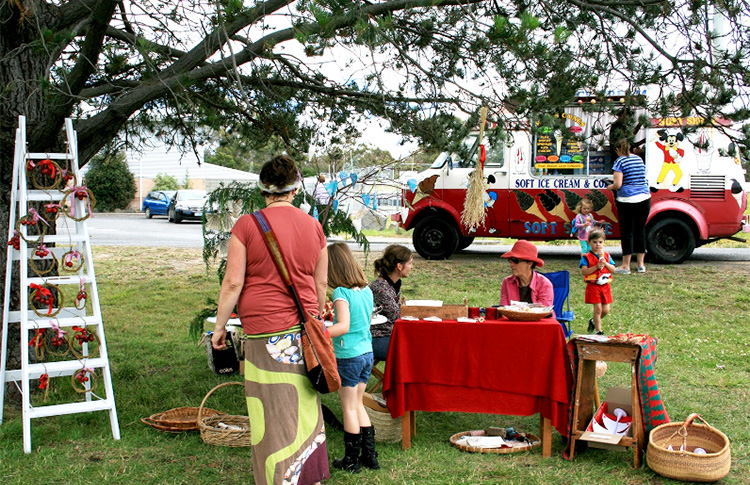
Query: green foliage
point(111, 182)
point(165, 182)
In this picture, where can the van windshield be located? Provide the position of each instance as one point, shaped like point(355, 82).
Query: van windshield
point(469, 154)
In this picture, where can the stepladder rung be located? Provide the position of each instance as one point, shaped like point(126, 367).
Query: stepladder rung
point(73, 317)
point(64, 238)
point(71, 408)
point(49, 156)
point(56, 369)
point(58, 280)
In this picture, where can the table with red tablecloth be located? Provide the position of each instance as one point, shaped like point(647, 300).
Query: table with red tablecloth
point(496, 367)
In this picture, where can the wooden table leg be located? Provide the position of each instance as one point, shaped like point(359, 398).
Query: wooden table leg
point(408, 429)
point(545, 432)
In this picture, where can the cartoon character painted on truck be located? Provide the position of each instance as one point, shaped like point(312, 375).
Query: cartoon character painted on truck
point(535, 180)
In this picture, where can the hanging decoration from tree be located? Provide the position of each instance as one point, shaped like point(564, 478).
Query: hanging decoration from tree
point(473, 214)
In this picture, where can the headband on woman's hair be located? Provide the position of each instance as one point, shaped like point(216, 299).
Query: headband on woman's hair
point(273, 189)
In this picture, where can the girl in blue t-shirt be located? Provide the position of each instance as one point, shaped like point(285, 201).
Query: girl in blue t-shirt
point(352, 342)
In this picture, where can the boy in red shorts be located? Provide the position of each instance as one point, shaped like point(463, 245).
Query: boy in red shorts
point(597, 268)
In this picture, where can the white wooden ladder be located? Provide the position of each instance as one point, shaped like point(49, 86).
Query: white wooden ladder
point(57, 316)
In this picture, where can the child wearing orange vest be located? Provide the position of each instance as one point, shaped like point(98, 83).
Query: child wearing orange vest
point(597, 267)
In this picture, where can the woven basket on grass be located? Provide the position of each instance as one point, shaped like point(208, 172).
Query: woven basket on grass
point(534, 442)
point(387, 429)
point(225, 429)
point(687, 465)
point(184, 418)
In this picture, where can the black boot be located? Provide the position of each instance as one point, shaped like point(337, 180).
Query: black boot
point(369, 457)
point(350, 461)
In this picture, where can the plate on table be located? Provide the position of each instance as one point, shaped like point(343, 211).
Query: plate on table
point(531, 314)
point(378, 319)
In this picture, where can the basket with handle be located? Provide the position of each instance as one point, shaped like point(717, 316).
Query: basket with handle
point(681, 462)
point(225, 429)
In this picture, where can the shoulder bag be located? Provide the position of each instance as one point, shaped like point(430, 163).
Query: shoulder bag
point(317, 347)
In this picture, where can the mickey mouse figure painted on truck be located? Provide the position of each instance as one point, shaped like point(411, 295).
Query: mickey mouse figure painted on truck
point(536, 179)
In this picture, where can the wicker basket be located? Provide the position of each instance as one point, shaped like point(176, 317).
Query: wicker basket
point(179, 419)
point(219, 430)
point(533, 439)
point(387, 429)
point(686, 465)
point(523, 316)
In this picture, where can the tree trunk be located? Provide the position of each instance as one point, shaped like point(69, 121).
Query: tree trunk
point(23, 66)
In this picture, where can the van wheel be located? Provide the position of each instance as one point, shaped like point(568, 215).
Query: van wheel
point(670, 241)
point(464, 242)
point(435, 238)
point(149, 215)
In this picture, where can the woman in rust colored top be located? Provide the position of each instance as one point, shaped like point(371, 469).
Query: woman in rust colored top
point(288, 433)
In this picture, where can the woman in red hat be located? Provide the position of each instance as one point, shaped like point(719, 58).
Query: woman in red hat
point(525, 284)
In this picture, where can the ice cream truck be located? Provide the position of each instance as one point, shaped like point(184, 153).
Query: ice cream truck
point(534, 180)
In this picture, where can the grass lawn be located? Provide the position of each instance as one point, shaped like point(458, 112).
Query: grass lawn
point(698, 311)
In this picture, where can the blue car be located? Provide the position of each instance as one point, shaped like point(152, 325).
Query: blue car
point(156, 203)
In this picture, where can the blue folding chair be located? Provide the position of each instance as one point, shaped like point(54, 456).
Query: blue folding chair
point(561, 286)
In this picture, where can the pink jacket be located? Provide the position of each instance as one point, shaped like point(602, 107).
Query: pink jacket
point(541, 290)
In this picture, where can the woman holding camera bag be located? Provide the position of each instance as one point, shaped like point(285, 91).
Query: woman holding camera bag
point(289, 439)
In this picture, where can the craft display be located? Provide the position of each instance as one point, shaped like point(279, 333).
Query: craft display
point(56, 340)
point(39, 255)
point(44, 295)
point(617, 423)
point(51, 211)
point(82, 297)
point(44, 174)
point(80, 193)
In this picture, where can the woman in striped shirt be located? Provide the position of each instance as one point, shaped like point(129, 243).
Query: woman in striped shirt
point(633, 202)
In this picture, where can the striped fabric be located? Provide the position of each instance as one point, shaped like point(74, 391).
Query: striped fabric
point(633, 176)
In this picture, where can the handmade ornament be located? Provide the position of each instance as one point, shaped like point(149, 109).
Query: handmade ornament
point(72, 261)
point(353, 178)
point(84, 380)
point(32, 221)
point(44, 174)
point(343, 175)
point(68, 178)
point(80, 302)
point(37, 343)
point(51, 211)
point(42, 260)
point(81, 204)
point(56, 341)
point(15, 241)
point(43, 381)
point(43, 295)
point(81, 341)
point(473, 214)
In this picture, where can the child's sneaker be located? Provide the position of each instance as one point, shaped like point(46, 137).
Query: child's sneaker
point(591, 325)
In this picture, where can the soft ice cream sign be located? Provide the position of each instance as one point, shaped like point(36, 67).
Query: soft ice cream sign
point(558, 149)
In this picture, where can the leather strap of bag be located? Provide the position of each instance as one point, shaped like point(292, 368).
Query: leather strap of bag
point(278, 258)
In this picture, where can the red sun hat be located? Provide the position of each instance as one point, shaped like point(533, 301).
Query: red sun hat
point(525, 250)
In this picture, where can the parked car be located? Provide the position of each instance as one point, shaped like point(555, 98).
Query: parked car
point(187, 204)
point(156, 203)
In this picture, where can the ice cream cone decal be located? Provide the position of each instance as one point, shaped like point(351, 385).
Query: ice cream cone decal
point(602, 206)
point(425, 188)
point(528, 204)
point(571, 199)
point(553, 204)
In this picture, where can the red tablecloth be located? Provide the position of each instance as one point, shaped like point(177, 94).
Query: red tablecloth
point(497, 367)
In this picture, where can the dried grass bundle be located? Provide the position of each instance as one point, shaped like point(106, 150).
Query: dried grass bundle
point(473, 214)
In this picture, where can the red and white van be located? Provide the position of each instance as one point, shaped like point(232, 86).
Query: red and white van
point(536, 178)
